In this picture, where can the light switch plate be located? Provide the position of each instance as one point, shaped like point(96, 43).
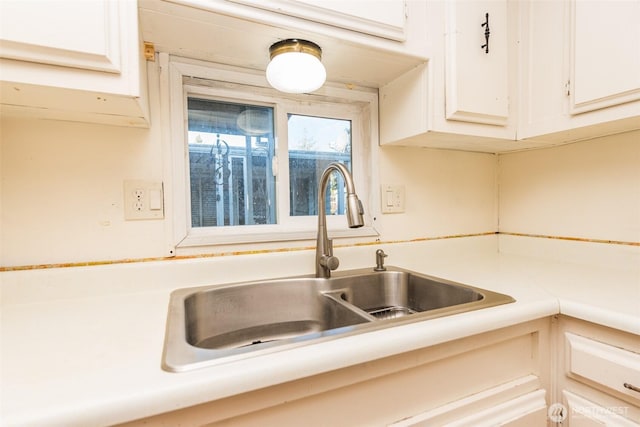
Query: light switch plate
point(392, 198)
point(143, 200)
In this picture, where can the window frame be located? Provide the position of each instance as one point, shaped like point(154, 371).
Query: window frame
point(179, 78)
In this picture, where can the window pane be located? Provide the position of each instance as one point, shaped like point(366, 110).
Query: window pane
point(314, 142)
point(231, 147)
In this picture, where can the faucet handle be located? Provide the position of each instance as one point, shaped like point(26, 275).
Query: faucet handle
point(330, 261)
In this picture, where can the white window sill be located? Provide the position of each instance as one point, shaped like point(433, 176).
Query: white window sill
point(266, 234)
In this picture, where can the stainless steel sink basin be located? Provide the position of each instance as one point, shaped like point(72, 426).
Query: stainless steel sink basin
point(217, 324)
point(240, 316)
point(393, 293)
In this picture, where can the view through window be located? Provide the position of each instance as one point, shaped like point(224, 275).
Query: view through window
point(314, 142)
point(232, 163)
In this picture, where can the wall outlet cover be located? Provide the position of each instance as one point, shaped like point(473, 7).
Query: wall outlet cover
point(143, 200)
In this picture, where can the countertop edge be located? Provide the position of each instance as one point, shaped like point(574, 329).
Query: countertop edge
point(599, 316)
point(300, 363)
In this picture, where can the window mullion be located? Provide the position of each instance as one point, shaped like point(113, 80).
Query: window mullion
point(282, 155)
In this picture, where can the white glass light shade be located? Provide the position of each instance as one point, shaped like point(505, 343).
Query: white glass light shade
point(296, 72)
point(255, 121)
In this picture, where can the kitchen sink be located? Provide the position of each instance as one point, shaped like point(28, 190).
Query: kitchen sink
point(392, 294)
point(220, 323)
point(240, 316)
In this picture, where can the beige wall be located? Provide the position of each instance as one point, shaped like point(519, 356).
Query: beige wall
point(586, 190)
point(61, 199)
point(447, 192)
point(62, 196)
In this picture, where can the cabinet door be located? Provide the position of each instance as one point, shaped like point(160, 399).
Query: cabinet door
point(504, 405)
point(611, 368)
point(459, 99)
point(580, 69)
point(605, 53)
point(527, 410)
point(595, 363)
point(476, 60)
point(42, 32)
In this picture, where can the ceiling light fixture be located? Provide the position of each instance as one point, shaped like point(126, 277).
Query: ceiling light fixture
point(295, 66)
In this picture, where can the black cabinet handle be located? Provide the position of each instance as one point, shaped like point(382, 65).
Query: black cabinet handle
point(632, 387)
point(487, 33)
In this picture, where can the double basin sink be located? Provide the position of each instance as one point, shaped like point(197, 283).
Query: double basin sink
point(217, 324)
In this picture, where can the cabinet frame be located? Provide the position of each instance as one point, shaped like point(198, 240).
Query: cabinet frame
point(465, 370)
point(344, 16)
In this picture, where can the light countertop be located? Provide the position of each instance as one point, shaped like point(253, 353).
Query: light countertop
point(83, 346)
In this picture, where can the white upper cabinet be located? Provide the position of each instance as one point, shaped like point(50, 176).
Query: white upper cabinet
point(556, 72)
point(79, 66)
point(605, 54)
point(381, 18)
point(36, 31)
point(580, 69)
point(364, 43)
point(476, 62)
point(463, 97)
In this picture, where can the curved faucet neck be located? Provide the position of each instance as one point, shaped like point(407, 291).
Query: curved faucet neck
point(322, 188)
point(325, 261)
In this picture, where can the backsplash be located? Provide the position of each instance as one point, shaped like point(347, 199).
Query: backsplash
point(62, 195)
point(61, 198)
point(220, 254)
point(588, 190)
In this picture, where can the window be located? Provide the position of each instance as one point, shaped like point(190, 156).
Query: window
point(313, 143)
point(231, 153)
point(247, 159)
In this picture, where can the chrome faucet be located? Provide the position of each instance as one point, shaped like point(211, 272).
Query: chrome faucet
point(325, 261)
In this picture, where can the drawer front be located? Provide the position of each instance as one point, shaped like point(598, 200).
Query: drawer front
point(612, 367)
point(585, 413)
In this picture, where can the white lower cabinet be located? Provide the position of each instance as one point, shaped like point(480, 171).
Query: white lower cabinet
point(489, 408)
point(556, 371)
point(599, 375)
point(495, 378)
point(586, 413)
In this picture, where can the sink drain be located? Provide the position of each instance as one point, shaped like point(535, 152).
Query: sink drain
point(390, 312)
point(255, 342)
